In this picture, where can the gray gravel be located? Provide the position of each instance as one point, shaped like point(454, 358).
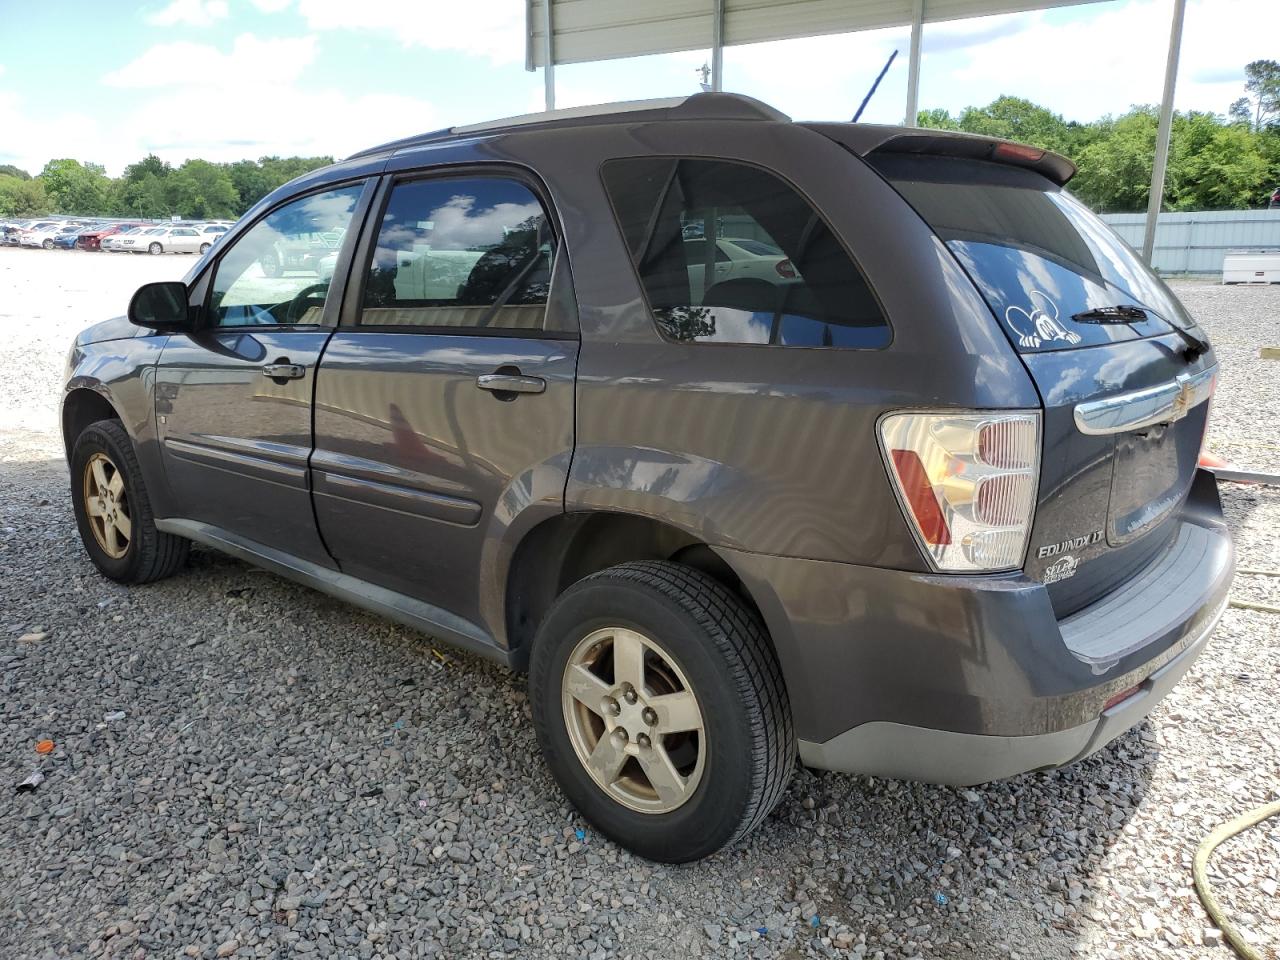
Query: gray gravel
point(247, 768)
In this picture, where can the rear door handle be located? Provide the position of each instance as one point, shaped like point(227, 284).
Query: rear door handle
point(510, 383)
point(283, 370)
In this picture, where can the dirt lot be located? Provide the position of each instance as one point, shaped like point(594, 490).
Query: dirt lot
point(247, 768)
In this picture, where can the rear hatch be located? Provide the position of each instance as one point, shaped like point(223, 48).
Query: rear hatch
point(1123, 372)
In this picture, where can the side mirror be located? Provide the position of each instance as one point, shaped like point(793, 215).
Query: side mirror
point(161, 306)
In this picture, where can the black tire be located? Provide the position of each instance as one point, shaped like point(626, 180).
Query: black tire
point(48, 244)
point(723, 650)
point(151, 554)
point(204, 248)
point(155, 249)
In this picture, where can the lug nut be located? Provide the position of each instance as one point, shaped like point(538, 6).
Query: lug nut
point(620, 737)
point(612, 707)
point(650, 716)
point(643, 741)
point(630, 695)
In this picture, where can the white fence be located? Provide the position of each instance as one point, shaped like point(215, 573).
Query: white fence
point(1196, 242)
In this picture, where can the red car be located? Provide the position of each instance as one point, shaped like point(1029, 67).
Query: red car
point(92, 239)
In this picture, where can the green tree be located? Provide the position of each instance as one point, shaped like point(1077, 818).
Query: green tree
point(9, 170)
point(1014, 118)
point(75, 188)
point(937, 119)
point(200, 189)
point(1260, 106)
point(1115, 170)
point(22, 197)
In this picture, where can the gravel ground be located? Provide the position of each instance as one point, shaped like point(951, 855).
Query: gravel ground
point(247, 768)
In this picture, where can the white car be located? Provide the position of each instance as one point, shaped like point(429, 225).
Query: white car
point(738, 259)
point(158, 240)
point(40, 234)
point(114, 243)
point(212, 232)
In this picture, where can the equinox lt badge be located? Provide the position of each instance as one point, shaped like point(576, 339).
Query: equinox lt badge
point(1053, 549)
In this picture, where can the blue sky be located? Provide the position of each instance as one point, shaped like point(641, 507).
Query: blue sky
point(227, 79)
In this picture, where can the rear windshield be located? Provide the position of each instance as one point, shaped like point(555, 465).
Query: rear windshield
point(1039, 257)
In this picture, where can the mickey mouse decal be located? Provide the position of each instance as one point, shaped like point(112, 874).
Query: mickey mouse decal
point(1039, 324)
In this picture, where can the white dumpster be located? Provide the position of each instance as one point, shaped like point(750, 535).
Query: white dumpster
point(1251, 267)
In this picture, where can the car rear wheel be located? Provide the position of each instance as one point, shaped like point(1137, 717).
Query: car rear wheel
point(155, 249)
point(48, 244)
point(204, 248)
point(113, 512)
point(659, 706)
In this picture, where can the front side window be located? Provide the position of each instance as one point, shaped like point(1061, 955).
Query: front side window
point(473, 253)
point(278, 272)
point(728, 253)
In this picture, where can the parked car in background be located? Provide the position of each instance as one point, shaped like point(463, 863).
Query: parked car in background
point(65, 238)
point(10, 232)
point(115, 242)
point(141, 240)
point(212, 232)
point(964, 535)
point(42, 234)
point(91, 239)
point(739, 259)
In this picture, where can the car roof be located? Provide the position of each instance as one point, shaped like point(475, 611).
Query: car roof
point(861, 138)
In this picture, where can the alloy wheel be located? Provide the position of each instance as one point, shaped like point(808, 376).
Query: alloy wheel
point(106, 503)
point(634, 720)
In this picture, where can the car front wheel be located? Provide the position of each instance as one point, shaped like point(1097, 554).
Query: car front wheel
point(48, 244)
point(204, 248)
point(155, 249)
point(660, 708)
point(113, 512)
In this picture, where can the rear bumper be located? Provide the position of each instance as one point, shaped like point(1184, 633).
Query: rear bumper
point(944, 756)
point(954, 679)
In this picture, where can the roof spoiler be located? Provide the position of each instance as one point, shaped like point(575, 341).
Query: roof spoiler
point(865, 139)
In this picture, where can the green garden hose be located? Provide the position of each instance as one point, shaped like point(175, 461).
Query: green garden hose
point(1207, 846)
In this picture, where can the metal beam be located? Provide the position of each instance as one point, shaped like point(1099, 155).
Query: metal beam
point(717, 47)
point(549, 60)
point(1156, 197)
point(913, 64)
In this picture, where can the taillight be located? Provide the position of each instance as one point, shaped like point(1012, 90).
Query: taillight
point(967, 483)
point(785, 269)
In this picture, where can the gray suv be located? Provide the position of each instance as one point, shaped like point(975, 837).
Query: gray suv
point(745, 438)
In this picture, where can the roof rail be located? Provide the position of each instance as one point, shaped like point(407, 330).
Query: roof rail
point(699, 106)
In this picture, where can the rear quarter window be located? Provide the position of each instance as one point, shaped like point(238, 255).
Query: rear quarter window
point(803, 291)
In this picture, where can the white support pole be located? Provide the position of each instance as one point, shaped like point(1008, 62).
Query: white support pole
point(913, 65)
point(1156, 197)
point(549, 63)
point(717, 47)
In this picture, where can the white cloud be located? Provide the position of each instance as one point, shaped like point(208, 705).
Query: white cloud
point(251, 62)
point(271, 6)
point(191, 13)
point(485, 28)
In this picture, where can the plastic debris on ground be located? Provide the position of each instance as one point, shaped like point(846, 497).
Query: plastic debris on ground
point(44, 746)
point(34, 779)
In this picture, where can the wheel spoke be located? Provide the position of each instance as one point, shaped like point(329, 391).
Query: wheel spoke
point(117, 483)
point(606, 759)
point(124, 525)
point(628, 659)
point(99, 476)
point(662, 774)
point(676, 712)
point(92, 507)
point(111, 535)
point(585, 687)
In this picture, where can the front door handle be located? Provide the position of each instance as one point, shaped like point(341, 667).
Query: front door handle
point(282, 369)
point(510, 383)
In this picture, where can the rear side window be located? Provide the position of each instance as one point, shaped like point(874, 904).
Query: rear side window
point(455, 253)
point(729, 253)
point(1043, 261)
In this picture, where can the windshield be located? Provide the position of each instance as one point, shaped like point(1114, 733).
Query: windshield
point(1040, 258)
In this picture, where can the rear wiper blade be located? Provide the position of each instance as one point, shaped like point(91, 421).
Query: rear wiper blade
point(1131, 313)
point(1124, 313)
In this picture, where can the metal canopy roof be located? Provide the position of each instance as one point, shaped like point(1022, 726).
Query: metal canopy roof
point(576, 31)
point(584, 30)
